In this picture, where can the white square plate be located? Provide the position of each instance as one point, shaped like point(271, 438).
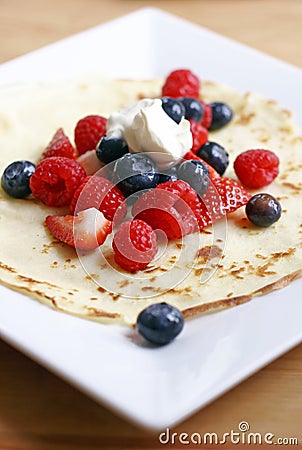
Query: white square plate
point(157, 387)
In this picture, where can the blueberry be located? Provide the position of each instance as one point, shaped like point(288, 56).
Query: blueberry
point(196, 174)
point(160, 323)
point(134, 172)
point(15, 178)
point(215, 155)
point(193, 108)
point(221, 115)
point(174, 108)
point(168, 175)
point(263, 210)
point(111, 148)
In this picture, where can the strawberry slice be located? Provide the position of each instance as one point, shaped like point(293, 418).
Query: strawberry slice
point(90, 162)
point(60, 145)
point(85, 231)
point(232, 194)
point(212, 172)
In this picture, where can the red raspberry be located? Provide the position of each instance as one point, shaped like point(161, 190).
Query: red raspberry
point(256, 168)
point(181, 83)
point(60, 145)
point(175, 215)
point(101, 194)
point(56, 179)
point(88, 132)
point(199, 134)
point(134, 245)
point(207, 114)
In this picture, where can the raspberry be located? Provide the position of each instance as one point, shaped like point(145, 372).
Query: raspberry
point(134, 245)
point(60, 145)
point(256, 168)
point(175, 215)
point(88, 132)
point(181, 83)
point(207, 114)
point(101, 194)
point(56, 179)
point(199, 134)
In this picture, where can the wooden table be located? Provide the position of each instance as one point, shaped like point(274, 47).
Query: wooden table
point(39, 411)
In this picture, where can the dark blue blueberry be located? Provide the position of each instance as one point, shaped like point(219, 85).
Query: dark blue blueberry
point(160, 323)
point(168, 175)
point(263, 210)
point(215, 155)
point(193, 108)
point(134, 172)
point(221, 115)
point(111, 148)
point(15, 178)
point(196, 174)
point(174, 108)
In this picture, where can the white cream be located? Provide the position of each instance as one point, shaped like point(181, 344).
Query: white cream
point(147, 128)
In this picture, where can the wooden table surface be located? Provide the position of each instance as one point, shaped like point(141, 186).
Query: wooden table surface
point(38, 411)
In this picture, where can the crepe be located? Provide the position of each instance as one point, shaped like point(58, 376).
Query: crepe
point(222, 266)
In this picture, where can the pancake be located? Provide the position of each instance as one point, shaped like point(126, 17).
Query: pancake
point(224, 265)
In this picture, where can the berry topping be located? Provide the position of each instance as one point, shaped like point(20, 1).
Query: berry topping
point(160, 323)
point(15, 178)
point(263, 210)
point(221, 115)
point(168, 175)
point(199, 134)
point(134, 245)
point(169, 207)
point(181, 83)
point(101, 194)
point(193, 108)
point(60, 145)
point(212, 172)
point(134, 172)
point(207, 114)
point(174, 108)
point(256, 168)
point(56, 179)
point(215, 155)
point(90, 162)
point(110, 149)
point(232, 194)
point(196, 174)
point(85, 231)
point(88, 132)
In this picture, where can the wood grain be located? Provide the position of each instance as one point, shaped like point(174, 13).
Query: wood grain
point(37, 410)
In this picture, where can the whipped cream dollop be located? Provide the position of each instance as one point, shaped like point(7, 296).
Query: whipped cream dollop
point(146, 127)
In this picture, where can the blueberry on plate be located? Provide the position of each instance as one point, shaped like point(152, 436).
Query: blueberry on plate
point(134, 172)
point(221, 115)
point(160, 323)
point(167, 175)
point(111, 148)
point(15, 178)
point(263, 210)
point(196, 174)
point(174, 108)
point(193, 108)
point(215, 155)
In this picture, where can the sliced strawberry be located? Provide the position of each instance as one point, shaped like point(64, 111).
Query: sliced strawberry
point(90, 162)
point(60, 145)
point(85, 231)
point(232, 194)
point(212, 172)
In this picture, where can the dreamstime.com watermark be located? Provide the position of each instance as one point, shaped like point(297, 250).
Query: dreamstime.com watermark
point(242, 436)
